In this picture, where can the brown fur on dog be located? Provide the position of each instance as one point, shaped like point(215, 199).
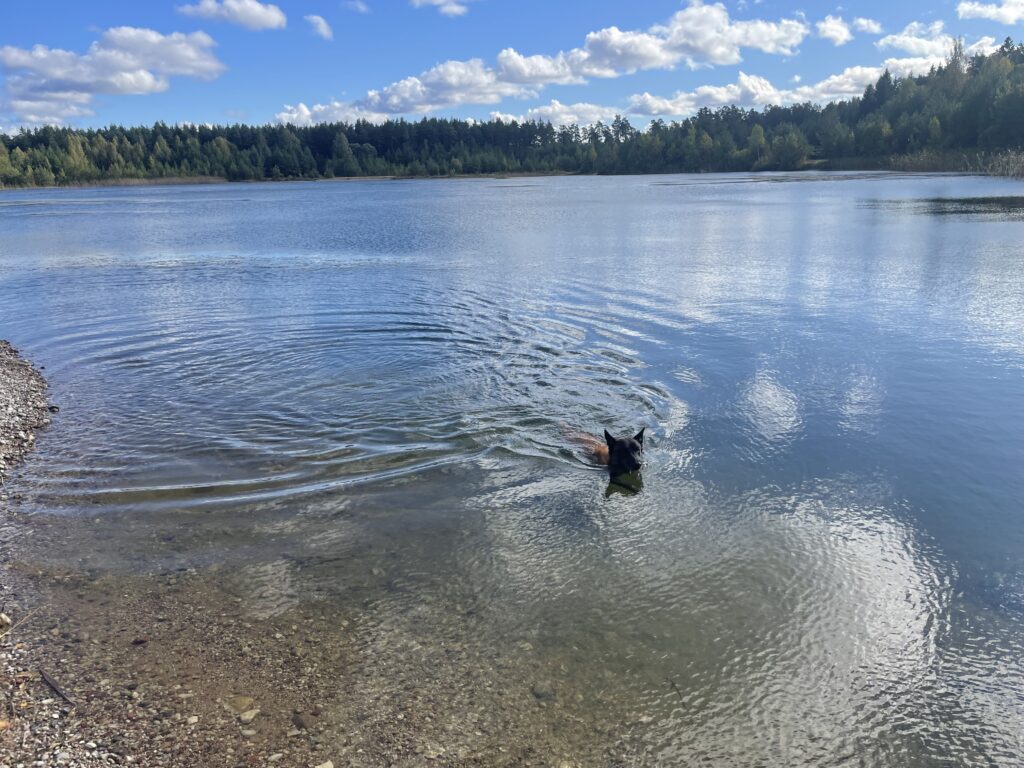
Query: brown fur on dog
point(595, 449)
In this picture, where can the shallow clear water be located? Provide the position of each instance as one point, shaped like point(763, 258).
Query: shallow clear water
point(365, 390)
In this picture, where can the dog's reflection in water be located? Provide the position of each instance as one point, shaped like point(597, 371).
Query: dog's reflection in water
point(628, 484)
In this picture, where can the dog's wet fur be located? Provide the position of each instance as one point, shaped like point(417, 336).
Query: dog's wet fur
point(625, 454)
point(620, 455)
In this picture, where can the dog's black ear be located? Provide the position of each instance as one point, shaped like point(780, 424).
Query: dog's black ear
point(609, 439)
point(640, 437)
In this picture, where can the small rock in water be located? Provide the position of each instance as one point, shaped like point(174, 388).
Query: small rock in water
point(53, 408)
point(542, 690)
point(432, 751)
point(239, 704)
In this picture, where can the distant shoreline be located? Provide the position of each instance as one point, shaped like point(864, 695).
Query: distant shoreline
point(157, 182)
point(212, 180)
point(902, 167)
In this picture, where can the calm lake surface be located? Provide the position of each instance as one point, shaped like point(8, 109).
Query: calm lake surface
point(361, 392)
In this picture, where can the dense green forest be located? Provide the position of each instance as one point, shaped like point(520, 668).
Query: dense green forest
point(969, 108)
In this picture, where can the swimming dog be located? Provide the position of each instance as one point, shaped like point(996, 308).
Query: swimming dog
point(620, 455)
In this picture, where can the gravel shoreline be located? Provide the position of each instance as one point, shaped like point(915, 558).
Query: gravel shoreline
point(23, 407)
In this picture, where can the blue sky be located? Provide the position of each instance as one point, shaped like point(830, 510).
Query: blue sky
point(216, 61)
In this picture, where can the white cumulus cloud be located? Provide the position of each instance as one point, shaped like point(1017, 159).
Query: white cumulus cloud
point(697, 36)
point(250, 14)
point(50, 85)
point(920, 39)
point(513, 67)
point(705, 34)
point(320, 26)
point(748, 90)
point(847, 84)
point(448, 84)
point(611, 50)
point(929, 42)
point(834, 29)
point(333, 112)
point(753, 91)
point(1006, 12)
point(557, 113)
point(870, 26)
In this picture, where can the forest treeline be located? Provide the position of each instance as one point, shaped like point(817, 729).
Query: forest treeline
point(972, 106)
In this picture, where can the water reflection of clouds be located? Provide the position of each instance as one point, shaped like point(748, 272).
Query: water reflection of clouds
point(774, 621)
point(828, 607)
point(771, 408)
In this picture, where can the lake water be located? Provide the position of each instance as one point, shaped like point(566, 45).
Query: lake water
point(362, 392)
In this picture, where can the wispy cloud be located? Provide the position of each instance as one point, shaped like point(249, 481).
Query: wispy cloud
point(358, 6)
point(445, 7)
point(250, 14)
point(320, 26)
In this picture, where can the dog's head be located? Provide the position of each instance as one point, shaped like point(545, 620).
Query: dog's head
point(626, 454)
